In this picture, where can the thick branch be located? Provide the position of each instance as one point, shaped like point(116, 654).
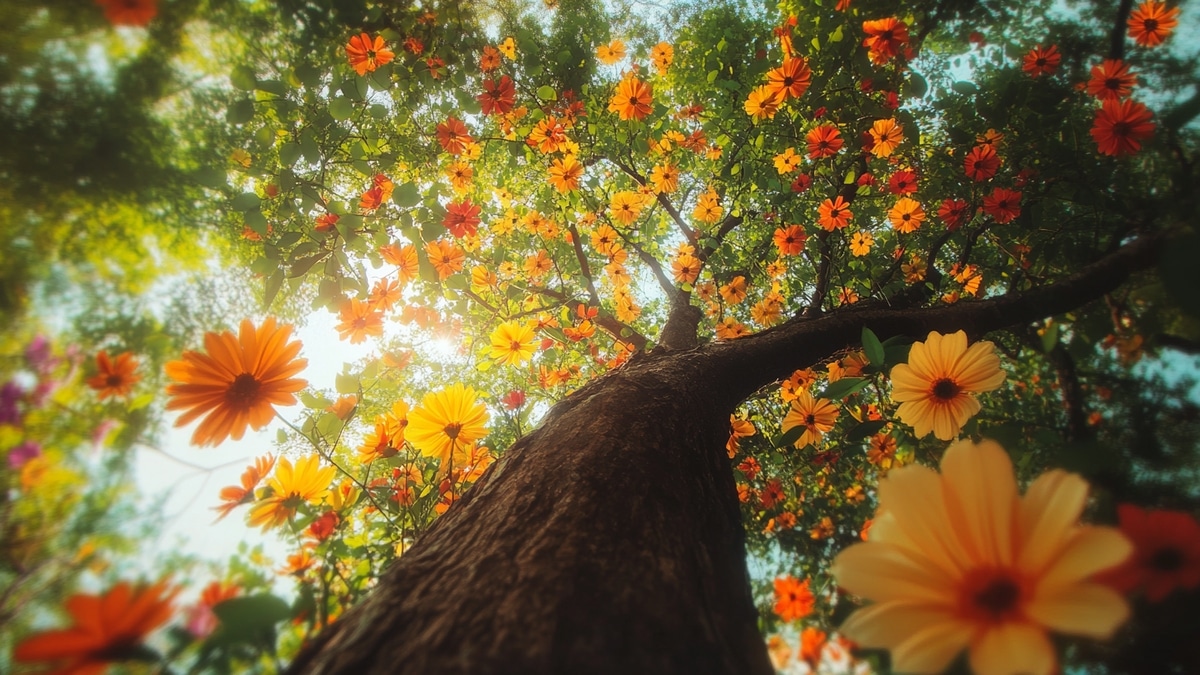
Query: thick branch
point(1116, 49)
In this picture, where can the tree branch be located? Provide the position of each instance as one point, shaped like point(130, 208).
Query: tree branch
point(1116, 49)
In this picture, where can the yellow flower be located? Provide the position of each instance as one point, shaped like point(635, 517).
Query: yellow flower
point(610, 53)
point(961, 561)
point(508, 48)
point(665, 178)
point(787, 161)
point(935, 388)
point(626, 206)
point(513, 343)
point(861, 243)
point(291, 486)
point(708, 210)
point(447, 419)
point(815, 415)
point(762, 103)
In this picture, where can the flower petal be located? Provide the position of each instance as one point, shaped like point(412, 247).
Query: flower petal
point(981, 498)
point(1049, 510)
point(1013, 649)
point(1092, 610)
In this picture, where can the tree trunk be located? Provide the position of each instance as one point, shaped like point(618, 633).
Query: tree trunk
point(607, 541)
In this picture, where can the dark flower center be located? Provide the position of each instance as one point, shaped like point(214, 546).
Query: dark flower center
point(998, 597)
point(452, 430)
point(516, 346)
point(1041, 61)
point(810, 420)
point(1121, 129)
point(1166, 560)
point(946, 389)
point(243, 391)
point(1150, 25)
point(1112, 83)
point(114, 380)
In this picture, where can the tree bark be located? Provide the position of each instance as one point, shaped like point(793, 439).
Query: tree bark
point(609, 540)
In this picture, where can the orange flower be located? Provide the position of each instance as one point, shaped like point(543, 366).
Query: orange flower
point(238, 382)
point(366, 54)
point(610, 53)
point(114, 378)
point(1152, 22)
point(404, 258)
point(1003, 204)
point(632, 99)
point(1121, 126)
point(446, 257)
point(384, 294)
point(793, 599)
point(981, 163)
point(129, 12)
point(462, 219)
point(936, 388)
point(452, 135)
point(359, 319)
point(811, 639)
point(952, 212)
point(824, 141)
point(1166, 552)
point(489, 60)
point(885, 135)
point(664, 178)
point(498, 97)
point(834, 214)
point(817, 416)
point(1042, 61)
point(661, 55)
point(906, 215)
point(763, 103)
point(108, 628)
point(790, 240)
point(234, 496)
point(565, 174)
point(791, 79)
point(685, 268)
point(884, 38)
point(1111, 79)
point(547, 136)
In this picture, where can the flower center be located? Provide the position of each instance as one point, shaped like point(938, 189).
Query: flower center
point(243, 391)
point(515, 346)
point(990, 595)
point(452, 430)
point(1150, 25)
point(1121, 129)
point(114, 380)
point(810, 420)
point(1112, 83)
point(946, 389)
point(998, 598)
point(1166, 560)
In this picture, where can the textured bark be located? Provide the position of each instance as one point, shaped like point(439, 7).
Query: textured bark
point(609, 540)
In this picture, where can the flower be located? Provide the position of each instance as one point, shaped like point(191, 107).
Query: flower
point(952, 212)
point(708, 209)
point(884, 38)
point(129, 12)
point(815, 415)
point(787, 161)
point(446, 257)
point(238, 382)
point(291, 486)
point(685, 268)
point(453, 136)
point(366, 54)
point(906, 216)
point(793, 599)
point(114, 377)
point(513, 343)
point(661, 55)
point(861, 243)
point(565, 174)
point(508, 48)
point(903, 182)
point(1111, 79)
point(359, 319)
point(961, 561)
point(981, 163)
point(834, 214)
point(1003, 204)
point(632, 99)
point(790, 240)
point(824, 141)
point(1042, 61)
point(791, 79)
point(936, 387)
point(626, 206)
point(234, 496)
point(461, 219)
point(548, 135)
point(1121, 126)
point(610, 53)
point(1152, 22)
point(664, 178)
point(762, 103)
point(489, 59)
point(498, 97)
point(107, 628)
point(1166, 552)
point(447, 419)
point(885, 136)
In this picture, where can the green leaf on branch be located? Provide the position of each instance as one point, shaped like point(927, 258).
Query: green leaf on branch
point(789, 437)
point(845, 387)
point(873, 347)
point(865, 430)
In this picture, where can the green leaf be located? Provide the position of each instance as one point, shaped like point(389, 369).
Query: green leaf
point(789, 437)
point(240, 112)
point(341, 108)
point(251, 619)
point(915, 87)
point(1050, 337)
point(243, 78)
point(864, 430)
point(273, 284)
point(289, 153)
point(547, 93)
point(406, 195)
point(346, 384)
point(246, 201)
point(873, 347)
point(844, 387)
point(964, 87)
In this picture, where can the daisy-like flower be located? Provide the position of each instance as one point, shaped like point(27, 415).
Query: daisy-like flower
point(1152, 22)
point(861, 243)
point(961, 561)
point(489, 59)
point(565, 173)
point(1166, 552)
point(661, 55)
point(452, 135)
point(664, 178)
point(513, 343)
point(234, 496)
point(981, 163)
point(884, 38)
point(824, 141)
point(114, 377)
point(834, 214)
point(238, 382)
point(952, 212)
point(610, 53)
point(790, 240)
point(1003, 204)
point(906, 216)
point(292, 486)
point(793, 599)
point(1042, 61)
point(548, 135)
point(499, 96)
point(462, 218)
point(366, 53)
point(1112, 79)
point(903, 182)
point(446, 257)
point(708, 209)
point(1121, 126)
point(791, 79)
point(685, 268)
point(626, 206)
point(815, 415)
point(763, 103)
point(632, 99)
point(936, 387)
point(107, 629)
point(358, 320)
point(447, 420)
point(886, 136)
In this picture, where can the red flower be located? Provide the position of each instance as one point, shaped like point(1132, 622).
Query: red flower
point(1152, 22)
point(1111, 79)
point(1121, 126)
point(1003, 204)
point(824, 141)
point(952, 212)
point(513, 399)
point(129, 12)
point(462, 218)
point(1166, 552)
point(498, 97)
point(453, 136)
point(982, 162)
point(1042, 61)
point(802, 183)
point(903, 182)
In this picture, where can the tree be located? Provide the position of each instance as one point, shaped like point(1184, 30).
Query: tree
point(682, 227)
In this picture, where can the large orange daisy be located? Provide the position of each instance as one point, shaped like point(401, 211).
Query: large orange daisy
point(961, 561)
point(936, 387)
point(1152, 22)
point(632, 99)
point(238, 382)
